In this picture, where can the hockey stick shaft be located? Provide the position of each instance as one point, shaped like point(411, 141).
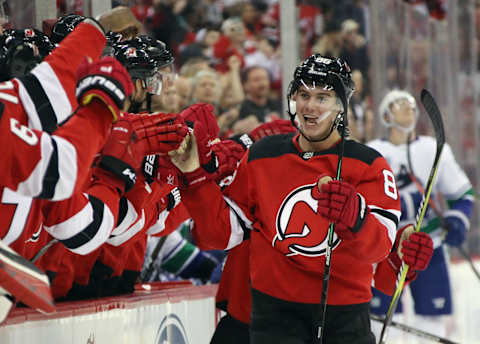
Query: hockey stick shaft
point(436, 119)
point(414, 331)
point(328, 251)
point(432, 204)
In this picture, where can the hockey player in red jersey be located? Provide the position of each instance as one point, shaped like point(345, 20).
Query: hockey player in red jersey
point(43, 165)
point(275, 197)
point(152, 134)
point(143, 57)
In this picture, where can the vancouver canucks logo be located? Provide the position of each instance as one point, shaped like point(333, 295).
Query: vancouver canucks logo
point(403, 178)
point(300, 229)
point(171, 330)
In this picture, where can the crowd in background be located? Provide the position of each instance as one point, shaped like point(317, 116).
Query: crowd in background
point(228, 54)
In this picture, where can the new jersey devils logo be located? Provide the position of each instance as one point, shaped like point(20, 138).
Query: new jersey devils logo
point(300, 229)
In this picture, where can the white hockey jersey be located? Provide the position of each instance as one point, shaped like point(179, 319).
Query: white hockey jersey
point(451, 182)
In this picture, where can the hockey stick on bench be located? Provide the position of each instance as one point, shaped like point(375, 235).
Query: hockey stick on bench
point(414, 331)
point(436, 118)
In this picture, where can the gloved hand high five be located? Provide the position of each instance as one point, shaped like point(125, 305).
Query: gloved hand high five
point(203, 120)
point(227, 154)
point(412, 248)
point(158, 133)
point(105, 80)
point(340, 203)
point(135, 136)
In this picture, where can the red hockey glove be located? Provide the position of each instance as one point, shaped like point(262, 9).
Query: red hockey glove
point(227, 153)
point(206, 129)
point(203, 113)
point(279, 126)
point(105, 80)
point(339, 202)
point(158, 133)
point(119, 156)
point(416, 249)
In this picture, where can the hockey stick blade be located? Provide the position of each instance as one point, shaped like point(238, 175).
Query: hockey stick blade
point(436, 118)
point(414, 331)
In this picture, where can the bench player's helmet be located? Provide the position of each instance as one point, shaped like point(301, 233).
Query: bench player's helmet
point(144, 57)
point(21, 50)
point(328, 73)
point(64, 26)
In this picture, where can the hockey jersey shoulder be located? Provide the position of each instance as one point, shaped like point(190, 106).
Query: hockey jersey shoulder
point(272, 146)
point(359, 151)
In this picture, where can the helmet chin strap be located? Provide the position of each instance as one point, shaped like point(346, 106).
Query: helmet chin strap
point(405, 130)
point(335, 124)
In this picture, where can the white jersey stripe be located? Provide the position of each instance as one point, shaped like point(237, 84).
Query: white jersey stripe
point(236, 229)
point(160, 224)
point(117, 240)
point(73, 225)
point(129, 219)
point(388, 223)
point(30, 109)
point(67, 168)
point(100, 237)
point(54, 91)
point(33, 184)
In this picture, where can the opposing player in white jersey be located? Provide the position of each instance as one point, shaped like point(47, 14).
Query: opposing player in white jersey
point(411, 164)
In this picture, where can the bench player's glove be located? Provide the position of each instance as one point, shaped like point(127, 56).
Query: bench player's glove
point(105, 80)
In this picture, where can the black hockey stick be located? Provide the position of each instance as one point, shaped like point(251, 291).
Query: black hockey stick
point(414, 331)
point(147, 273)
point(328, 251)
point(440, 217)
point(436, 118)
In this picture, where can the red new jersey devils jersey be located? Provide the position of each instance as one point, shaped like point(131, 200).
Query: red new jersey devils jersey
point(270, 197)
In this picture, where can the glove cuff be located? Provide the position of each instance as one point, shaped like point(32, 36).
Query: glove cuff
point(362, 214)
point(244, 140)
point(107, 90)
point(194, 178)
point(395, 261)
point(120, 169)
point(173, 199)
point(212, 165)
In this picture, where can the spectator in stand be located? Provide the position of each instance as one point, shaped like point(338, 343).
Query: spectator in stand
point(121, 20)
point(165, 22)
point(329, 44)
point(361, 112)
point(354, 47)
point(195, 64)
point(256, 84)
point(231, 42)
point(204, 87)
point(268, 56)
point(183, 86)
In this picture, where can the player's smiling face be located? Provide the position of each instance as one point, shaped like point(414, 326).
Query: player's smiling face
point(316, 110)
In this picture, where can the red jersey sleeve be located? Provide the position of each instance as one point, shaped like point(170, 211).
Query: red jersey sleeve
point(85, 221)
point(221, 220)
point(52, 166)
point(377, 234)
